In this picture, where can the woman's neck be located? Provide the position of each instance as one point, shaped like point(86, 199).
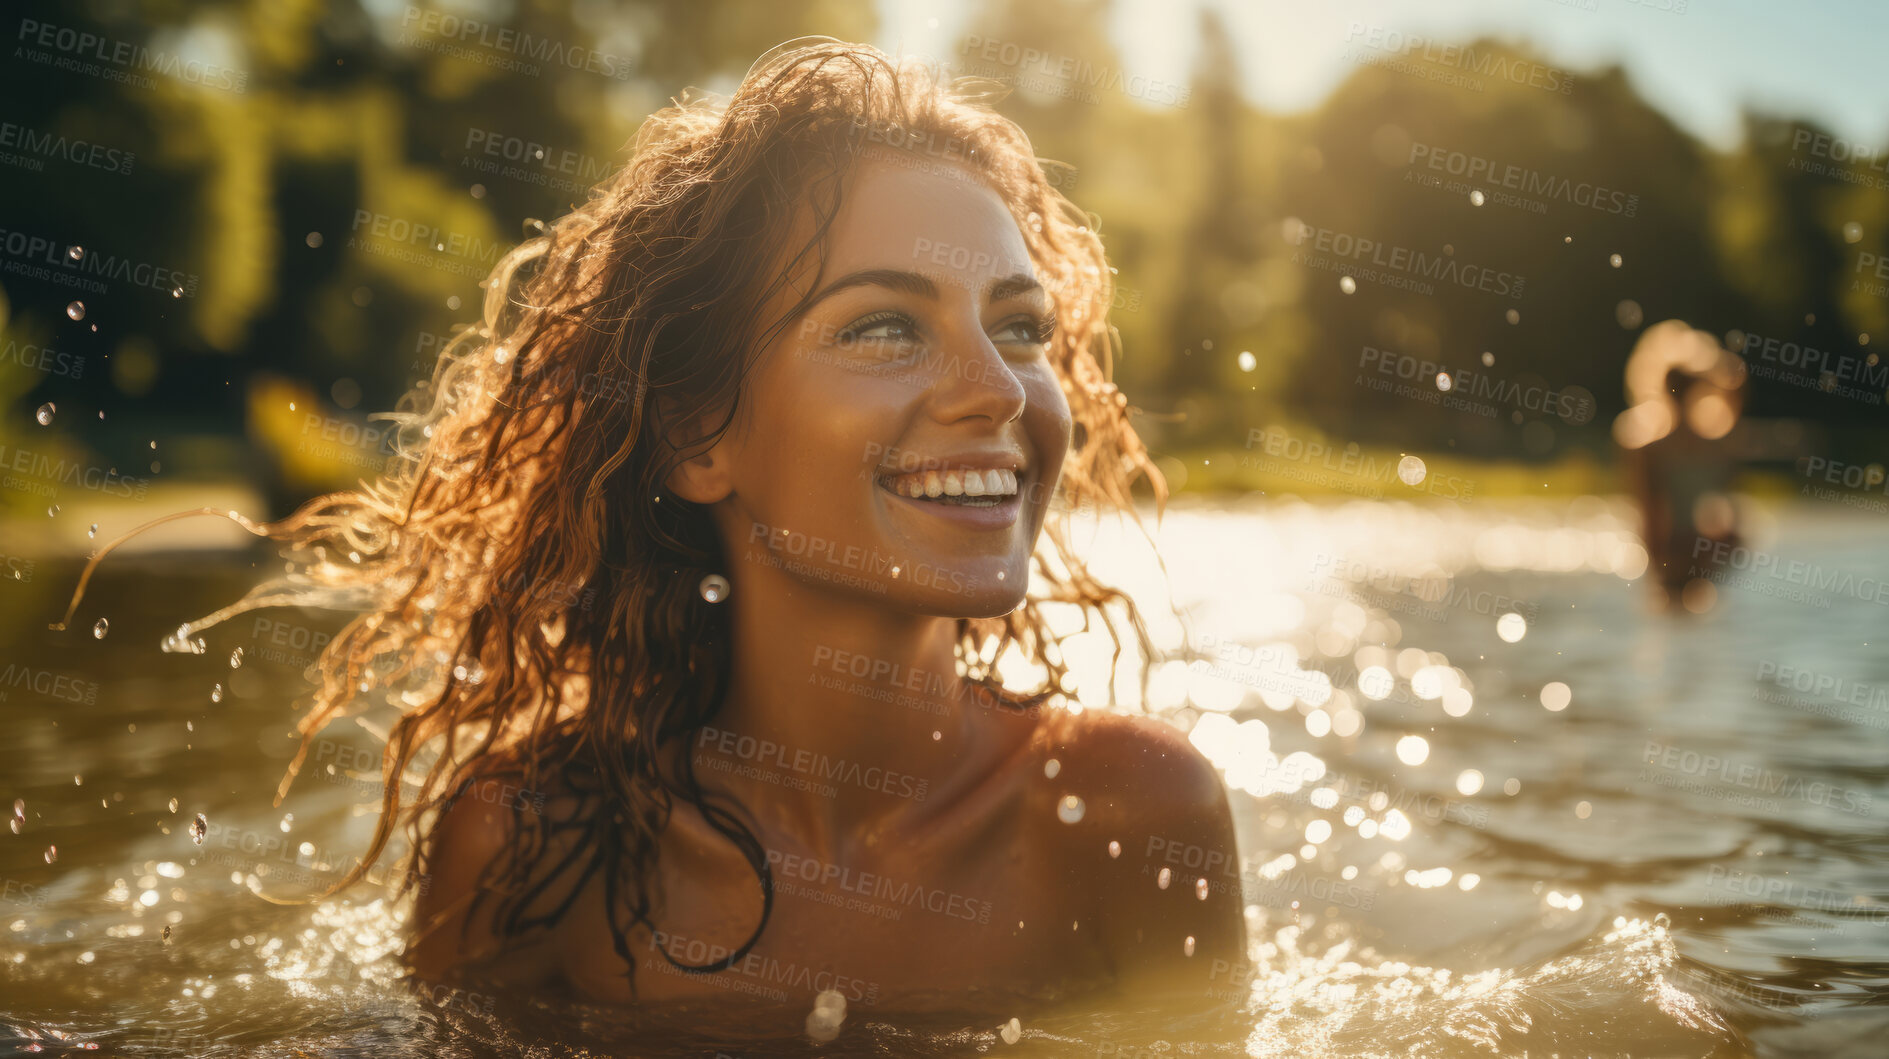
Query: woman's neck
point(842, 716)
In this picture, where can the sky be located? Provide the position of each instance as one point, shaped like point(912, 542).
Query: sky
point(1702, 64)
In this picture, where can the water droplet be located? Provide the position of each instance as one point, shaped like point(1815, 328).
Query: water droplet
point(76, 310)
point(1663, 921)
point(77, 253)
point(236, 658)
point(1476, 197)
point(53, 511)
point(1188, 946)
point(173, 804)
point(1488, 360)
point(52, 854)
point(1012, 1032)
point(1511, 627)
point(1555, 696)
point(216, 693)
point(1070, 809)
point(1513, 316)
point(45, 414)
point(715, 587)
point(1348, 285)
point(16, 822)
point(1202, 889)
point(1443, 381)
point(198, 828)
point(1114, 849)
point(93, 532)
point(1614, 260)
point(177, 292)
point(1852, 232)
point(1167, 876)
point(502, 354)
point(1413, 750)
point(19, 807)
point(1248, 362)
point(100, 629)
point(1051, 768)
point(1411, 470)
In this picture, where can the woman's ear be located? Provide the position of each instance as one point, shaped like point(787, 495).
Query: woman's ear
point(706, 475)
point(704, 478)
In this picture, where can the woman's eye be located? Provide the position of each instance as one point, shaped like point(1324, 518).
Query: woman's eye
point(1027, 332)
point(882, 328)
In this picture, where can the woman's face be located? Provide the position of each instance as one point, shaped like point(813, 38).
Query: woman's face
point(902, 438)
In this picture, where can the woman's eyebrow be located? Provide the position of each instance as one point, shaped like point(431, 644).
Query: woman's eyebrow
point(896, 279)
point(922, 285)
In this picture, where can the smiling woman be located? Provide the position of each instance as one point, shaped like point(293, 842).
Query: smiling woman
point(712, 536)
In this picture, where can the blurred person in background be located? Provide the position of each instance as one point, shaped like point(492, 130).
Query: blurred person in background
point(1684, 396)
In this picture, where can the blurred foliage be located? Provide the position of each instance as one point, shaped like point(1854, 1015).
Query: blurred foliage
point(357, 115)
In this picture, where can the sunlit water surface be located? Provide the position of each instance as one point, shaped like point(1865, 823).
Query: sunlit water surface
point(1452, 840)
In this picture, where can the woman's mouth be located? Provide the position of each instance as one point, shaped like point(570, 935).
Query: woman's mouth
point(960, 486)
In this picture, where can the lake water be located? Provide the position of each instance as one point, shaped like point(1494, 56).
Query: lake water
point(1588, 829)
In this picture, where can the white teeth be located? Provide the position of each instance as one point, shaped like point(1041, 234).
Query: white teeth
point(993, 482)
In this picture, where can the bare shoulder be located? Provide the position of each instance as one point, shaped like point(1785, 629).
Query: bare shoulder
point(456, 927)
point(1139, 766)
point(1154, 847)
